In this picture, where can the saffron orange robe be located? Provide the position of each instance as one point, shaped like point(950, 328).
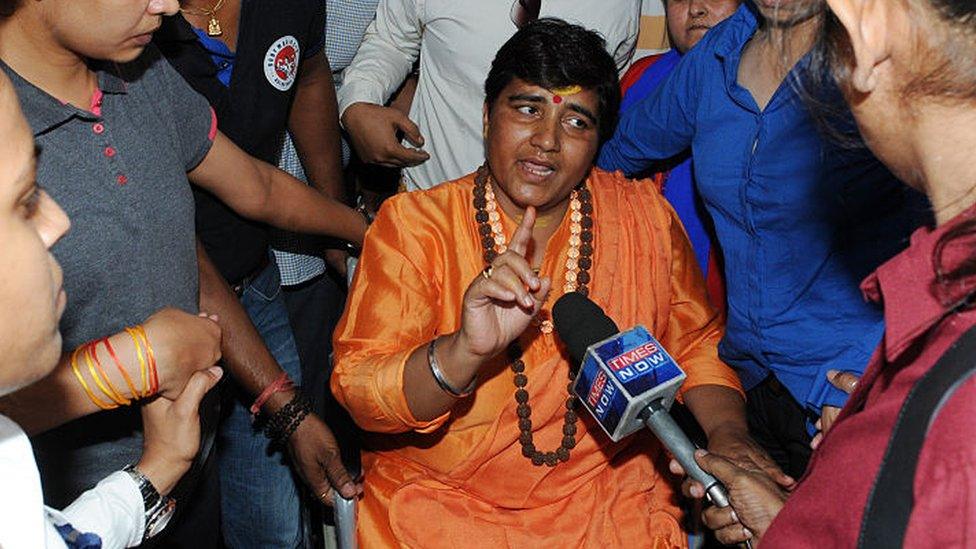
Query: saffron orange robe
point(461, 480)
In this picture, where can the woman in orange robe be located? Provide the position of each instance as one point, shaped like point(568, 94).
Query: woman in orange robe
point(449, 469)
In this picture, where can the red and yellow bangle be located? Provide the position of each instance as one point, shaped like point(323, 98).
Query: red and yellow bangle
point(143, 370)
point(125, 375)
point(151, 359)
point(148, 373)
point(109, 390)
point(84, 385)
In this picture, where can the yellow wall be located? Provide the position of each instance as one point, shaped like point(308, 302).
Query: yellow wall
point(653, 34)
point(653, 37)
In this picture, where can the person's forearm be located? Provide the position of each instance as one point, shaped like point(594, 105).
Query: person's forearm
point(717, 407)
point(426, 399)
point(385, 56)
point(260, 191)
point(60, 397)
point(314, 127)
point(245, 356)
point(293, 206)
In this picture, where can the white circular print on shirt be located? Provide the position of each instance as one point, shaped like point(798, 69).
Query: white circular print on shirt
point(281, 62)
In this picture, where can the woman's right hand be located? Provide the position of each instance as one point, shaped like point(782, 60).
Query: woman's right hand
point(496, 309)
point(182, 344)
point(171, 431)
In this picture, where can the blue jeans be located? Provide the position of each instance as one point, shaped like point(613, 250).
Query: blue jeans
point(259, 494)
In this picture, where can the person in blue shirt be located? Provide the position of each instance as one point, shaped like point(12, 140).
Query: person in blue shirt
point(687, 23)
point(800, 219)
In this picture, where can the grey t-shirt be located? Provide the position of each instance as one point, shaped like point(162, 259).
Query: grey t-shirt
point(119, 171)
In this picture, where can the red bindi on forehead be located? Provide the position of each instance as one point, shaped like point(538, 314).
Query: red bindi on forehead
point(558, 93)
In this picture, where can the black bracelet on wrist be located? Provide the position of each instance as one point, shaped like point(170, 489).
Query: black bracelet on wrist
point(283, 423)
point(363, 210)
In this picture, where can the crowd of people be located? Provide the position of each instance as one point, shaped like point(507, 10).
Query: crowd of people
point(211, 329)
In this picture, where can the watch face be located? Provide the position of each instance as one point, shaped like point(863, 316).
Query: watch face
point(160, 518)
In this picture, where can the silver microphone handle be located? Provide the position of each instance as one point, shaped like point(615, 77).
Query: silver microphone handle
point(345, 522)
point(660, 422)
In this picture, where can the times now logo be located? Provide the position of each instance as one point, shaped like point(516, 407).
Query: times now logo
point(597, 388)
point(633, 356)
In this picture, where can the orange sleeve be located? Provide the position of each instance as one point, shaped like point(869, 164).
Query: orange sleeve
point(390, 312)
point(694, 326)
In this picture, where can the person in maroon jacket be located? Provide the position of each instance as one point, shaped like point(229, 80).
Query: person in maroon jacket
point(908, 71)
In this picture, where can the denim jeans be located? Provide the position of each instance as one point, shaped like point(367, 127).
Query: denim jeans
point(260, 504)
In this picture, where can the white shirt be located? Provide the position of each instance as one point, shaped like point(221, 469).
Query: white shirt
point(113, 509)
point(456, 41)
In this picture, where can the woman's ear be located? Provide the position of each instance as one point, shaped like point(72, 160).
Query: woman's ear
point(484, 120)
point(866, 22)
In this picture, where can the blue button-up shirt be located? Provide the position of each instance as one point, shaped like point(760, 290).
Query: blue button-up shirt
point(800, 220)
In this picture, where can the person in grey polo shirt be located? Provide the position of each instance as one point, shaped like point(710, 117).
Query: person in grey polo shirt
point(117, 139)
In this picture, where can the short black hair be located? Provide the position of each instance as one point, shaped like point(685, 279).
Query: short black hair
point(553, 54)
point(8, 7)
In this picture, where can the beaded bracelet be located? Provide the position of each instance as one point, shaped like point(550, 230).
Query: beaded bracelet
point(290, 430)
point(283, 423)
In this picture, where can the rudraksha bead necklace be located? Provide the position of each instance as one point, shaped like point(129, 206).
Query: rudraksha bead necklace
point(577, 278)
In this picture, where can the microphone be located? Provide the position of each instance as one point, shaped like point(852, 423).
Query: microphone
point(627, 381)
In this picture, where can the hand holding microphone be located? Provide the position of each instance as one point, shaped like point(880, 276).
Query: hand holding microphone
point(757, 500)
point(627, 381)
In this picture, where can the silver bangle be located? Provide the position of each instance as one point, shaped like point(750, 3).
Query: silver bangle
point(438, 374)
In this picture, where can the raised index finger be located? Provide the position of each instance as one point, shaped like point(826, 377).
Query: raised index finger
point(523, 234)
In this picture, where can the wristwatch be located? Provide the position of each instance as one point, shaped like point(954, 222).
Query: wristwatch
point(159, 510)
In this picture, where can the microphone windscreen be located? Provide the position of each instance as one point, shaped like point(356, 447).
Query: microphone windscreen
point(580, 323)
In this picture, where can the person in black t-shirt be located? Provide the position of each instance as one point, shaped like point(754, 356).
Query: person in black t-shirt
point(261, 65)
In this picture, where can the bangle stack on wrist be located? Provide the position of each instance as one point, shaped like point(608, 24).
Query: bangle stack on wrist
point(101, 379)
point(283, 423)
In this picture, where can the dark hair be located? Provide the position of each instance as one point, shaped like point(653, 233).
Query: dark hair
point(821, 81)
point(8, 7)
point(945, 71)
point(554, 54)
point(945, 40)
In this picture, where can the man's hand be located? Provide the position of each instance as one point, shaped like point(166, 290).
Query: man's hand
point(734, 444)
point(182, 344)
point(315, 453)
point(721, 413)
point(845, 381)
point(754, 501)
point(373, 129)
